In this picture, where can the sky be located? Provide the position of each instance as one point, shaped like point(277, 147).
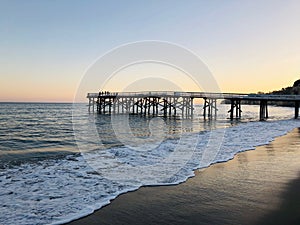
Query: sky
point(47, 47)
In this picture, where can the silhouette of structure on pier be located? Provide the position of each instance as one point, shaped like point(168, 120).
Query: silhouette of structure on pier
point(180, 103)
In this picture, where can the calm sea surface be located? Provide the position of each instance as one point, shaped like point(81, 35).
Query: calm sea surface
point(59, 163)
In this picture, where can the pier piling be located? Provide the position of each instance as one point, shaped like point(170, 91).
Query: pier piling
point(263, 110)
point(235, 106)
point(297, 103)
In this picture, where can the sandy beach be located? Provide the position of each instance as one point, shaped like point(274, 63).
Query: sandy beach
point(256, 187)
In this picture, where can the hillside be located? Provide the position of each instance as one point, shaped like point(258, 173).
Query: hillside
point(291, 90)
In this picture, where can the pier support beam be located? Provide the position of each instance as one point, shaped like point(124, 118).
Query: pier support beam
point(89, 105)
point(105, 103)
point(263, 110)
point(297, 103)
point(235, 106)
point(192, 107)
point(92, 103)
point(210, 108)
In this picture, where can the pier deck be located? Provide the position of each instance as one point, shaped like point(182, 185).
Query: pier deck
point(180, 103)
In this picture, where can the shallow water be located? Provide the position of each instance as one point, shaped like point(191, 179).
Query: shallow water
point(49, 174)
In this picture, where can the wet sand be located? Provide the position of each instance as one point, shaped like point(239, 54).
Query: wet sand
point(256, 187)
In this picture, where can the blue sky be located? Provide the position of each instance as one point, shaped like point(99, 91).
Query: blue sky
point(46, 46)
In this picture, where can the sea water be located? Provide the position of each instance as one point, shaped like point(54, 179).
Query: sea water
point(59, 162)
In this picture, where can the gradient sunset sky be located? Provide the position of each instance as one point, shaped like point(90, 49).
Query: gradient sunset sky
point(47, 46)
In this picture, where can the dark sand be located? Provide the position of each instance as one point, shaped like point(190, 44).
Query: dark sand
point(256, 187)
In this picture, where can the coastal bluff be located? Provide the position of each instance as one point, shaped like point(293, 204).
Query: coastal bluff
point(290, 90)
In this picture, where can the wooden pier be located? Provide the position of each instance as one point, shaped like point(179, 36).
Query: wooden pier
point(180, 103)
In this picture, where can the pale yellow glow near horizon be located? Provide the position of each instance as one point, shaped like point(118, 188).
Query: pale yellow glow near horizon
point(266, 78)
point(37, 90)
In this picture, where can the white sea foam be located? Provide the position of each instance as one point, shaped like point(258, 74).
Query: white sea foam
point(58, 191)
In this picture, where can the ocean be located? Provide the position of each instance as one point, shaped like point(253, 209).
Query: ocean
point(59, 163)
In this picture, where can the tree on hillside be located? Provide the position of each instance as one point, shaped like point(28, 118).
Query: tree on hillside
point(294, 90)
point(296, 83)
point(296, 87)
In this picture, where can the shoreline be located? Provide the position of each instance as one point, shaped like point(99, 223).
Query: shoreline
point(131, 207)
